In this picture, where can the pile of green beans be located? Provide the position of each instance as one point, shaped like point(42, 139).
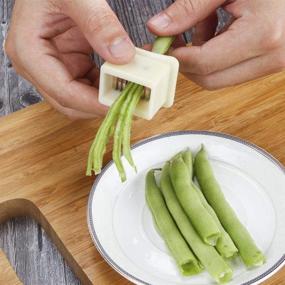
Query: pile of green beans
point(224, 245)
point(249, 252)
point(211, 231)
point(118, 122)
point(184, 257)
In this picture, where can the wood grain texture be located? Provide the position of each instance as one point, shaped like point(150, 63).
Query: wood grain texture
point(15, 92)
point(39, 262)
point(32, 253)
point(7, 274)
point(43, 174)
point(45, 164)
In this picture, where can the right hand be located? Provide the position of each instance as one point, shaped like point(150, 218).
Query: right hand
point(50, 43)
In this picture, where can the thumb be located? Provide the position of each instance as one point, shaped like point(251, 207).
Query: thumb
point(182, 15)
point(102, 29)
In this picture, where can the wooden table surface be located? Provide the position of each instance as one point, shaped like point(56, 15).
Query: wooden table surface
point(38, 144)
point(39, 262)
point(43, 159)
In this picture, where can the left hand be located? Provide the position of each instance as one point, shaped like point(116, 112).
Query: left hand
point(251, 47)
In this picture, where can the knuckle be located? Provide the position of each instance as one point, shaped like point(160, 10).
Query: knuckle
point(62, 100)
point(273, 36)
point(281, 61)
point(9, 48)
point(68, 113)
point(204, 69)
point(95, 23)
point(71, 116)
point(188, 7)
point(207, 83)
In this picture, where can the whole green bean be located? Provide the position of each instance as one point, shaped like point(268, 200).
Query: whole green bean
point(212, 261)
point(185, 259)
point(191, 203)
point(225, 245)
point(188, 159)
point(161, 45)
point(249, 252)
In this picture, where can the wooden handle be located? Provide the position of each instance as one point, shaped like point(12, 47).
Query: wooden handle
point(7, 273)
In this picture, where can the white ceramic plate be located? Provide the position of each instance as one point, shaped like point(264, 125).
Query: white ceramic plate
point(121, 224)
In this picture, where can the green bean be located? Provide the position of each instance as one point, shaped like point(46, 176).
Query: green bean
point(185, 259)
point(188, 159)
point(98, 147)
point(96, 152)
point(225, 245)
point(127, 128)
point(118, 135)
point(162, 44)
point(249, 252)
point(212, 261)
point(190, 202)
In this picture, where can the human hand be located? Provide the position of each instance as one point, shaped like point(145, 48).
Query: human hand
point(251, 47)
point(50, 43)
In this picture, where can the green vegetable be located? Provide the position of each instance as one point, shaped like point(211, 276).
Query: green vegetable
point(225, 245)
point(212, 261)
point(190, 202)
point(122, 135)
point(162, 44)
point(127, 128)
point(99, 144)
point(135, 92)
point(249, 252)
point(188, 159)
point(185, 259)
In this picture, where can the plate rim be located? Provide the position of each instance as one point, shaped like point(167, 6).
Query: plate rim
point(262, 277)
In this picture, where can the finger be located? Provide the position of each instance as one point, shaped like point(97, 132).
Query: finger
point(54, 78)
point(72, 40)
point(182, 15)
point(239, 43)
point(77, 64)
point(94, 76)
point(70, 113)
point(240, 73)
point(205, 30)
point(102, 29)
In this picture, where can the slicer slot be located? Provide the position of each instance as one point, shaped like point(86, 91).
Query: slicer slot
point(119, 84)
point(157, 73)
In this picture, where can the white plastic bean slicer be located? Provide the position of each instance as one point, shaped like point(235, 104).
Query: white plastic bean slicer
point(157, 73)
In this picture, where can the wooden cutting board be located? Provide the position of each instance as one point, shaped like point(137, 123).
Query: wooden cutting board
point(43, 157)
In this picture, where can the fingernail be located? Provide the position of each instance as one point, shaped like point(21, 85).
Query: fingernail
point(121, 47)
point(160, 21)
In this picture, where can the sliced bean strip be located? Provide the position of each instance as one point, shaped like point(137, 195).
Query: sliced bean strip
point(120, 126)
point(127, 128)
point(97, 149)
point(249, 252)
point(185, 259)
point(213, 262)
